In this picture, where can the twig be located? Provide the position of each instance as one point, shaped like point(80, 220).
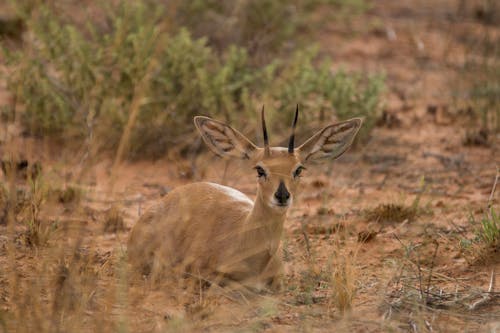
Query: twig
point(306, 239)
point(139, 94)
point(419, 270)
point(487, 296)
point(428, 325)
point(413, 325)
point(490, 199)
point(430, 273)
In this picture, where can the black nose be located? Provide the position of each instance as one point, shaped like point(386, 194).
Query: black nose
point(282, 194)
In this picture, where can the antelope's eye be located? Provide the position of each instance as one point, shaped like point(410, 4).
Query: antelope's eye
point(260, 171)
point(298, 171)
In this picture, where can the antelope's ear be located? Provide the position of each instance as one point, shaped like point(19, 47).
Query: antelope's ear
point(224, 140)
point(331, 142)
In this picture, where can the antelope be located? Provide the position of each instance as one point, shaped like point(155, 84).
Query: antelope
point(218, 233)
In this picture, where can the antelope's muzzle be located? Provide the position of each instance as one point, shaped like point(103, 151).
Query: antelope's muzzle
point(282, 195)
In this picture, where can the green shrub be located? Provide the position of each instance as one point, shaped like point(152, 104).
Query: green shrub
point(80, 82)
point(486, 240)
point(479, 84)
point(263, 27)
point(489, 231)
point(323, 91)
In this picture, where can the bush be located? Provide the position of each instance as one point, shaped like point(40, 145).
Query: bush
point(479, 84)
point(263, 27)
point(489, 231)
point(80, 82)
point(342, 94)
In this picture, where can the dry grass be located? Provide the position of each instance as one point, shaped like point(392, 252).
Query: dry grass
point(113, 220)
point(55, 273)
point(391, 213)
point(419, 293)
point(343, 282)
point(79, 275)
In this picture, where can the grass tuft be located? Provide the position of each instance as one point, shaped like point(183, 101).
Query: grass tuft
point(113, 220)
point(343, 283)
point(67, 195)
point(485, 245)
point(391, 213)
point(489, 232)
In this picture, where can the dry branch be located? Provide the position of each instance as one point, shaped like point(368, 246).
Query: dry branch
point(488, 296)
point(490, 199)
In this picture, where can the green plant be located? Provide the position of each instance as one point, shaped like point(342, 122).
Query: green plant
point(484, 86)
point(263, 27)
point(329, 93)
point(479, 87)
point(489, 229)
point(79, 83)
point(486, 241)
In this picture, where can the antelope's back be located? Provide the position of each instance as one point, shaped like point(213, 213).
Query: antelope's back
point(194, 226)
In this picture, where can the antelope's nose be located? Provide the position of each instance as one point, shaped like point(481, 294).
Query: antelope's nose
point(282, 195)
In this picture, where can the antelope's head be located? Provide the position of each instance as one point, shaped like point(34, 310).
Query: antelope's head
point(278, 169)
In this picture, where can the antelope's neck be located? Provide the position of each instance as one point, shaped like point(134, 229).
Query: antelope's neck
point(266, 223)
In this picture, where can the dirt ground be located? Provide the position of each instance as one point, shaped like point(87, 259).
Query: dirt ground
point(416, 152)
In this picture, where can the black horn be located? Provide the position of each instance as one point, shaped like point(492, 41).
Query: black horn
point(264, 132)
point(292, 136)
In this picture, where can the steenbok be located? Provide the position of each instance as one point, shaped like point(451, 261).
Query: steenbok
point(215, 232)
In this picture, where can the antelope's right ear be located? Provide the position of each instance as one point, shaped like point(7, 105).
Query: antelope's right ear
point(331, 142)
point(224, 140)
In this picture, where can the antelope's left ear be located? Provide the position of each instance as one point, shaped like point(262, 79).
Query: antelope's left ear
point(224, 140)
point(331, 142)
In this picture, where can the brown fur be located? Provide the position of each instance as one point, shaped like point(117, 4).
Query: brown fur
point(216, 232)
